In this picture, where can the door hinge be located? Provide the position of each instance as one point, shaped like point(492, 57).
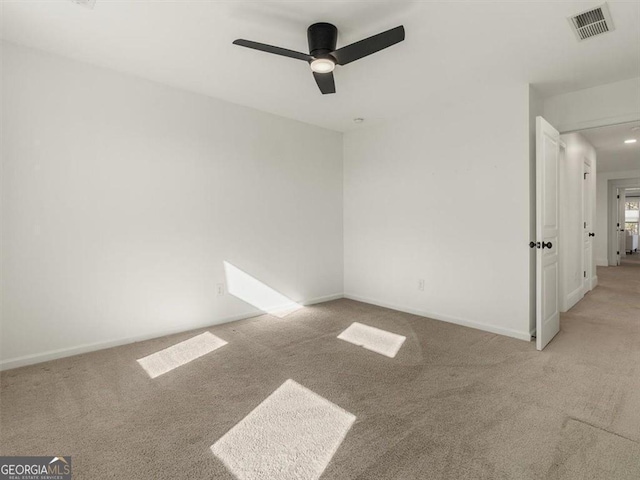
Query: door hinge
point(585, 175)
point(585, 274)
point(617, 196)
point(585, 224)
point(617, 253)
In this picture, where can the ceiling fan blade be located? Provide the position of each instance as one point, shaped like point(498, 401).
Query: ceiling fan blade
point(271, 49)
point(370, 45)
point(325, 82)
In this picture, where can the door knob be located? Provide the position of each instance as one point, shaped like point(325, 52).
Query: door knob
point(591, 234)
point(547, 245)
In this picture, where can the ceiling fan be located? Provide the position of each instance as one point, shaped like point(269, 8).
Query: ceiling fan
point(323, 56)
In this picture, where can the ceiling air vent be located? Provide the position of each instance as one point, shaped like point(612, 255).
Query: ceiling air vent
point(595, 21)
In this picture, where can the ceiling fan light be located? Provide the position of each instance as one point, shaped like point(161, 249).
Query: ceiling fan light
point(322, 65)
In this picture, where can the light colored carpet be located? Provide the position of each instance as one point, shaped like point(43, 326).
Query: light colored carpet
point(292, 435)
point(455, 403)
point(180, 354)
point(374, 339)
point(631, 258)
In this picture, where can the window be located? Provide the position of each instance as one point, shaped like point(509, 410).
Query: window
point(631, 214)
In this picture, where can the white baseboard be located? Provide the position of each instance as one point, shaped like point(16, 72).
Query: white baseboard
point(573, 298)
point(594, 282)
point(92, 347)
point(327, 298)
point(602, 262)
point(445, 318)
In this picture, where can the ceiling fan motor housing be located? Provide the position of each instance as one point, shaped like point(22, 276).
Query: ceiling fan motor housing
point(322, 38)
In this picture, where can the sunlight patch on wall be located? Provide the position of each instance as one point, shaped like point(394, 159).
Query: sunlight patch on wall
point(251, 290)
point(374, 339)
point(180, 354)
point(292, 435)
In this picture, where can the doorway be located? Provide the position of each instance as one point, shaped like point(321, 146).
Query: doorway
point(596, 168)
point(627, 223)
point(622, 198)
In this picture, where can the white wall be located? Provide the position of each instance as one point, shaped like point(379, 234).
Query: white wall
point(121, 198)
point(609, 104)
point(578, 150)
point(603, 210)
point(404, 220)
point(618, 161)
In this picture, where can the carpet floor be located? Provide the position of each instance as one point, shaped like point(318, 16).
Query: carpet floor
point(455, 403)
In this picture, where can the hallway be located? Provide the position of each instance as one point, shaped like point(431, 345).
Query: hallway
point(601, 334)
point(632, 260)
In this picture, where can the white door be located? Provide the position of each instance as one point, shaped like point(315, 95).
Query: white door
point(547, 214)
point(588, 232)
point(621, 252)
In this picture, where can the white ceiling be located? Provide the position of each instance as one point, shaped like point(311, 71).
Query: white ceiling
point(612, 153)
point(448, 47)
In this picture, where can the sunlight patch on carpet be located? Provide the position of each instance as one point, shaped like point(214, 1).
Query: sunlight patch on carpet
point(374, 339)
point(180, 354)
point(291, 435)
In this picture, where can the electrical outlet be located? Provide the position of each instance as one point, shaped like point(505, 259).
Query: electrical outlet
point(220, 289)
point(421, 284)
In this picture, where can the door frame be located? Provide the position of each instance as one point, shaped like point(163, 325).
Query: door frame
point(612, 192)
point(567, 298)
point(588, 215)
